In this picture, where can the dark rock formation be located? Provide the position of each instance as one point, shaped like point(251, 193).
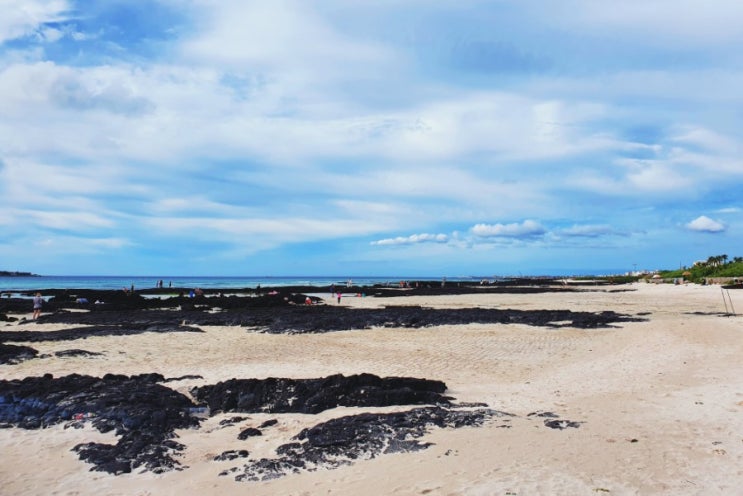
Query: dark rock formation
point(232, 421)
point(327, 318)
point(231, 455)
point(13, 354)
point(277, 395)
point(142, 412)
point(249, 432)
point(76, 353)
point(127, 329)
point(342, 441)
point(145, 414)
point(561, 424)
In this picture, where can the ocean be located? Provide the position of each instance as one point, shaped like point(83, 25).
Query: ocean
point(14, 284)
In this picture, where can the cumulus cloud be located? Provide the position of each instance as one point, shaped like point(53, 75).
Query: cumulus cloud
point(412, 239)
point(527, 229)
point(705, 224)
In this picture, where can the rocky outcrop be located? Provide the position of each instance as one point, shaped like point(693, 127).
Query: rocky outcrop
point(345, 440)
point(13, 354)
point(145, 414)
point(278, 395)
point(327, 318)
point(126, 329)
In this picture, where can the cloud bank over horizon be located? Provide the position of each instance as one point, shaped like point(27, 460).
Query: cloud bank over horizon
point(305, 137)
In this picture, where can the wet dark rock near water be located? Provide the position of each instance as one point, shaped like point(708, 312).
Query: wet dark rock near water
point(344, 440)
point(280, 395)
point(327, 318)
point(283, 310)
point(242, 298)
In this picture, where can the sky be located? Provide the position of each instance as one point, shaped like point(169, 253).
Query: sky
point(377, 138)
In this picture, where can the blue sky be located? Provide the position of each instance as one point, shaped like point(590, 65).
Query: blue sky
point(336, 137)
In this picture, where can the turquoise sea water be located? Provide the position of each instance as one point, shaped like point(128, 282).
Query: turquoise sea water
point(11, 284)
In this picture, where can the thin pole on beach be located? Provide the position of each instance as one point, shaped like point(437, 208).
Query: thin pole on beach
point(725, 301)
point(731, 302)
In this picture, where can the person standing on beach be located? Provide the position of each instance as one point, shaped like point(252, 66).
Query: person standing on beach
point(339, 296)
point(38, 301)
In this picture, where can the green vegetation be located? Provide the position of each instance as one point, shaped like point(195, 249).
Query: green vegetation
point(715, 266)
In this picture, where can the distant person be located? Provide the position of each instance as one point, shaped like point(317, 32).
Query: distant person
point(339, 296)
point(38, 301)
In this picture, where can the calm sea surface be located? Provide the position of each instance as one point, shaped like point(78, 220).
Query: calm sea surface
point(11, 284)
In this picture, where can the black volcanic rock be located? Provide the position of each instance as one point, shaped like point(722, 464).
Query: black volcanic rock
point(145, 414)
point(296, 319)
point(95, 330)
point(343, 440)
point(76, 353)
point(278, 395)
point(231, 455)
point(142, 412)
point(561, 424)
point(13, 354)
point(249, 432)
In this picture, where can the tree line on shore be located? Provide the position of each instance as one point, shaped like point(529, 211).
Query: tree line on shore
point(714, 266)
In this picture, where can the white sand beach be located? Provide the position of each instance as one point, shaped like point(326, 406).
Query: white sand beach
point(659, 402)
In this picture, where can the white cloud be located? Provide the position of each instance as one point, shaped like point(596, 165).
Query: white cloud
point(526, 229)
point(687, 22)
point(280, 38)
point(23, 17)
point(264, 123)
point(705, 224)
point(412, 239)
